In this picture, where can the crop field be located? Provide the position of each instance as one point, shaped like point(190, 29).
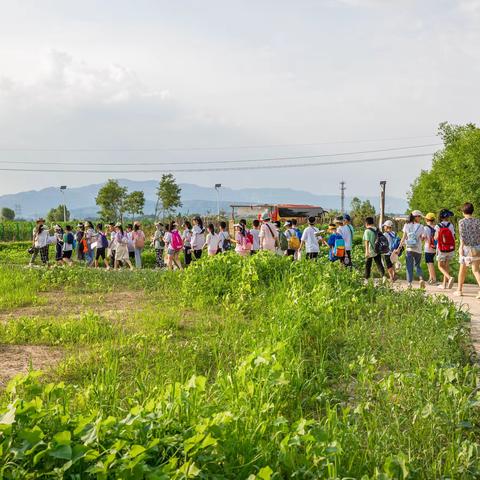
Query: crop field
point(237, 368)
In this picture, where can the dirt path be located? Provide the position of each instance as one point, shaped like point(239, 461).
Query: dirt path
point(20, 358)
point(467, 302)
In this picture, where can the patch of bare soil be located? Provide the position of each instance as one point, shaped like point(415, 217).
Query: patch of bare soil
point(70, 304)
point(20, 358)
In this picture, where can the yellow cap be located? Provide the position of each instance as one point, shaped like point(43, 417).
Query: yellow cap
point(430, 216)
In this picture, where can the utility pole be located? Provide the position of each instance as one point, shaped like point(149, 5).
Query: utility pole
point(383, 184)
point(62, 189)
point(217, 188)
point(342, 195)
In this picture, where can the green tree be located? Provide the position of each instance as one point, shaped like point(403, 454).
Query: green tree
point(453, 178)
point(111, 199)
point(134, 203)
point(168, 195)
point(7, 214)
point(359, 211)
point(57, 214)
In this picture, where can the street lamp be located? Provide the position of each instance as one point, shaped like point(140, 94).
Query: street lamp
point(62, 189)
point(217, 188)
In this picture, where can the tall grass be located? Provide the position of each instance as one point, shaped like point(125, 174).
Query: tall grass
point(249, 368)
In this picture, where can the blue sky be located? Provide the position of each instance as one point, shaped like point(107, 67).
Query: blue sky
point(221, 73)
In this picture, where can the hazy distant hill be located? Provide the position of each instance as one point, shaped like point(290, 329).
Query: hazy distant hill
point(81, 200)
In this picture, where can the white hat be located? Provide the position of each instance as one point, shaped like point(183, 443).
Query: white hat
point(265, 216)
point(417, 213)
point(288, 223)
point(388, 223)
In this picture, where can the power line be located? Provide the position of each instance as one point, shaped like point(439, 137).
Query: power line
point(181, 149)
point(221, 169)
point(301, 157)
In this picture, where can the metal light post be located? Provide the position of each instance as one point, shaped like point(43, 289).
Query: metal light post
point(217, 188)
point(62, 189)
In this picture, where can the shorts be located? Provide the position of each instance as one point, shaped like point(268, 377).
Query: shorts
point(429, 257)
point(445, 256)
point(388, 261)
point(67, 254)
point(100, 253)
point(172, 251)
point(291, 252)
point(312, 255)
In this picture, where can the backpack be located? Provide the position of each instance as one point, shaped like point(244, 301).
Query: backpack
point(103, 241)
point(293, 241)
point(247, 241)
point(339, 247)
point(299, 234)
point(432, 243)
point(381, 244)
point(83, 245)
point(446, 240)
point(176, 242)
point(412, 239)
point(226, 244)
point(140, 239)
point(70, 239)
point(283, 241)
point(395, 241)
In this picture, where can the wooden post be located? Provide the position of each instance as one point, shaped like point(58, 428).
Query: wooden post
point(383, 184)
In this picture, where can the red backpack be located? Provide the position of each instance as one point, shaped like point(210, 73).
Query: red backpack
point(446, 240)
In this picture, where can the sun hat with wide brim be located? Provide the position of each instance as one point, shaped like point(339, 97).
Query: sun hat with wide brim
point(430, 216)
point(417, 213)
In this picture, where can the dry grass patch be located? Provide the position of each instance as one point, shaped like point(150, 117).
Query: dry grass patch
point(68, 304)
point(21, 358)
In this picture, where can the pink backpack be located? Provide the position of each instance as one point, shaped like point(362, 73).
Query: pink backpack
point(177, 242)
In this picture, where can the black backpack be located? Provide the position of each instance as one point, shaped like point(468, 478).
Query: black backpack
point(381, 246)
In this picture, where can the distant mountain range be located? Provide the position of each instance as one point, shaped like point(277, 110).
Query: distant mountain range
point(196, 199)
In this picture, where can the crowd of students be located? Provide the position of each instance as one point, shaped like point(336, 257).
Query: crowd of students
point(436, 239)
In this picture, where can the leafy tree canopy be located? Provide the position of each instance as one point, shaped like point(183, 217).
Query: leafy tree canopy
point(168, 195)
point(454, 177)
point(111, 198)
point(134, 203)
point(359, 211)
point(57, 214)
point(7, 214)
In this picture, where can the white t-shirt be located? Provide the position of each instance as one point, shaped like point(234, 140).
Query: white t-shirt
point(198, 238)
point(428, 235)
point(310, 239)
point(212, 242)
point(419, 231)
point(346, 232)
point(256, 239)
point(167, 238)
point(131, 247)
point(42, 239)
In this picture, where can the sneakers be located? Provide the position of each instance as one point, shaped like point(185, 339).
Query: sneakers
point(433, 282)
point(451, 282)
point(422, 284)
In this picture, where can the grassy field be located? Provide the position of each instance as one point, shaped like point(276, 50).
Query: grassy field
point(235, 368)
